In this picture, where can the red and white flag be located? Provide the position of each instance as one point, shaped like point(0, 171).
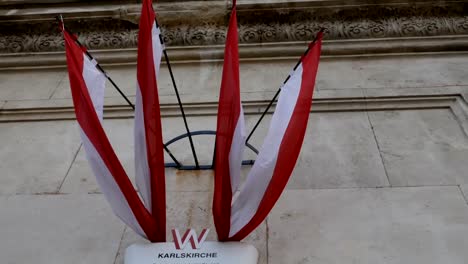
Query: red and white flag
point(149, 153)
point(87, 86)
point(230, 134)
point(234, 220)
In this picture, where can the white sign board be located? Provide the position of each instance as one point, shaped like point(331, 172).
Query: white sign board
point(209, 253)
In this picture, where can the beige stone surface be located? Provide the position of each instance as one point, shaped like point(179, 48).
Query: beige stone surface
point(320, 93)
point(422, 147)
point(36, 156)
point(31, 84)
point(193, 210)
point(62, 103)
point(37, 103)
point(339, 150)
point(393, 72)
point(80, 178)
point(71, 229)
point(189, 78)
point(397, 225)
point(464, 191)
point(417, 91)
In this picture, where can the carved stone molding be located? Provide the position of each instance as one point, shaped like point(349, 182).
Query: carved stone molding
point(256, 25)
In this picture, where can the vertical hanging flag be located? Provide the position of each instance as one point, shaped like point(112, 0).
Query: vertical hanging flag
point(281, 147)
point(277, 157)
point(230, 134)
point(87, 86)
point(149, 153)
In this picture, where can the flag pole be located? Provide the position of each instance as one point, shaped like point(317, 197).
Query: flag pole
point(279, 90)
point(194, 153)
point(98, 66)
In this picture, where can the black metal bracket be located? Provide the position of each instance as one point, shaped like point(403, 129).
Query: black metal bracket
point(180, 166)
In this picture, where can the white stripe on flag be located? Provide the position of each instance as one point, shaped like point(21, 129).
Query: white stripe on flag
point(142, 173)
point(236, 152)
point(253, 190)
point(157, 47)
point(95, 82)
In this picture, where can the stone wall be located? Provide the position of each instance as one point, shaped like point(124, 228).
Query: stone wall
point(382, 175)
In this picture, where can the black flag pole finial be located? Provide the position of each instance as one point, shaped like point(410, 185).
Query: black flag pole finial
point(61, 22)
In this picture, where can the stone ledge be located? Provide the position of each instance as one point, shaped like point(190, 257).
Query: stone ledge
point(267, 51)
point(252, 107)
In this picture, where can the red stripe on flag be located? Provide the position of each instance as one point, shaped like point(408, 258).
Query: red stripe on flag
point(91, 126)
point(146, 76)
point(228, 115)
point(291, 143)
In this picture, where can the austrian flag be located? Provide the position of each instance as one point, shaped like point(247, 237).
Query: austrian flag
point(147, 218)
point(236, 218)
point(230, 134)
point(87, 86)
point(149, 153)
point(87, 81)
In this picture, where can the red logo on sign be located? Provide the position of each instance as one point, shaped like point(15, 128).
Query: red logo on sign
point(190, 235)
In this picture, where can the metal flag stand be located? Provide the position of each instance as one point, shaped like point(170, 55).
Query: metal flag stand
point(190, 134)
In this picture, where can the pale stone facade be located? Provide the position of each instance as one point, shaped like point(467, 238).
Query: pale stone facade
point(383, 172)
